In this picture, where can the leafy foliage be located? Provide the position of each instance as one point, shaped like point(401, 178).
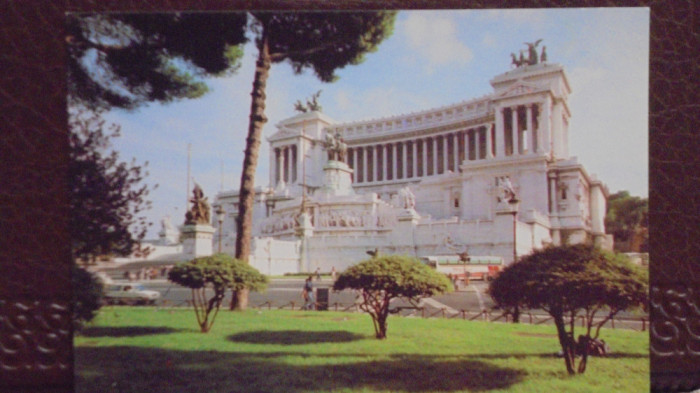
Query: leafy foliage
point(626, 219)
point(384, 278)
point(106, 194)
point(569, 281)
point(219, 273)
point(323, 41)
point(126, 60)
point(87, 296)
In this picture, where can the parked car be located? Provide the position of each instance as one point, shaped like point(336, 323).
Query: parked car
point(129, 293)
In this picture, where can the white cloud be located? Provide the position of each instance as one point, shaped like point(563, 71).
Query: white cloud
point(434, 38)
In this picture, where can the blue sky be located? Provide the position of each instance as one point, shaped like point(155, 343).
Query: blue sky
point(434, 58)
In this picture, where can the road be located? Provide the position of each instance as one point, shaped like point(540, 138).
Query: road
point(281, 292)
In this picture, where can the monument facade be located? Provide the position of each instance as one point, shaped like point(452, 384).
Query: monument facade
point(488, 176)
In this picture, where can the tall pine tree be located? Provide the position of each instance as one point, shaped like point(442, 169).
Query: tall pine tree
point(322, 42)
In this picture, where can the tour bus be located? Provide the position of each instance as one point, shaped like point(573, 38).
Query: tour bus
point(474, 268)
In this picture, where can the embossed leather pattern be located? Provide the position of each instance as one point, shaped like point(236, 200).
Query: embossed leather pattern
point(35, 341)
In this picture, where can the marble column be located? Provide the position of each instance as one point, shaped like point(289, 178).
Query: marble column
point(424, 144)
point(514, 130)
point(435, 155)
point(385, 170)
point(445, 156)
point(288, 169)
point(394, 160)
point(489, 141)
point(356, 163)
point(477, 144)
point(455, 151)
point(545, 126)
point(552, 193)
point(365, 169)
point(500, 134)
point(294, 163)
point(277, 166)
point(283, 165)
point(414, 144)
point(404, 164)
point(375, 162)
point(467, 145)
point(531, 130)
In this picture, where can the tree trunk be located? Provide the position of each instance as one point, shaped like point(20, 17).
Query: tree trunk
point(583, 345)
point(381, 325)
point(567, 346)
point(257, 120)
point(239, 300)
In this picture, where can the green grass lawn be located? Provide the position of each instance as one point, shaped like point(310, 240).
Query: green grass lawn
point(150, 350)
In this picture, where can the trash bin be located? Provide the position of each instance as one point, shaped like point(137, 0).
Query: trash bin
point(322, 299)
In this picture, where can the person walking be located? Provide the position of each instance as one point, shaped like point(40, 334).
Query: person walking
point(333, 273)
point(308, 294)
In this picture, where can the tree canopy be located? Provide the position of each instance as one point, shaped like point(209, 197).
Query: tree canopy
point(107, 195)
point(626, 219)
point(384, 278)
point(126, 60)
point(569, 281)
point(218, 273)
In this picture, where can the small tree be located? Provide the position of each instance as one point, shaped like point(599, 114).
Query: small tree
point(384, 278)
point(570, 282)
point(626, 219)
point(218, 273)
point(87, 296)
point(107, 195)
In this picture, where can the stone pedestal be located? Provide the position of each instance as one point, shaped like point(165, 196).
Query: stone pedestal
point(197, 240)
point(403, 233)
point(304, 231)
point(338, 179)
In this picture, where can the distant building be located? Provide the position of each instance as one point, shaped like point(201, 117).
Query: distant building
point(440, 181)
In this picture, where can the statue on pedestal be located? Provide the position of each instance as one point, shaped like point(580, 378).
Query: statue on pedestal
point(506, 192)
point(407, 198)
point(335, 146)
point(199, 213)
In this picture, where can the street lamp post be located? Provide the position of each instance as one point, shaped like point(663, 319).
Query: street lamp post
point(514, 204)
point(220, 214)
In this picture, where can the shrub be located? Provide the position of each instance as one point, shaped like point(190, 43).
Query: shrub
point(87, 296)
point(219, 273)
point(384, 278)
point(569, 281)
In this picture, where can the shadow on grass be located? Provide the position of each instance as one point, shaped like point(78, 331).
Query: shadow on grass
point(294, 337)
point(159, 370)
point(126, 331)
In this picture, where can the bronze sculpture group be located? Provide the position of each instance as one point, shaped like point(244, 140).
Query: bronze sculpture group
point(532, 57)
point(199, 213)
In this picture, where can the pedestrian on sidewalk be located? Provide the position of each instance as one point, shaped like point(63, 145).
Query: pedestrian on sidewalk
point(308, 294)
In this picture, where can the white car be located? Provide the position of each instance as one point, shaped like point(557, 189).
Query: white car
point(130, 293)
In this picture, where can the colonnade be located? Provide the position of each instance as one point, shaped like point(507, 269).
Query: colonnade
point(441, 153)
point(286, 164)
